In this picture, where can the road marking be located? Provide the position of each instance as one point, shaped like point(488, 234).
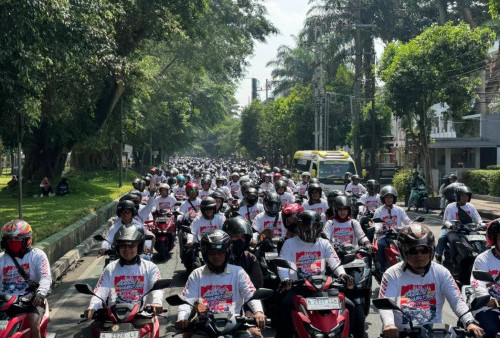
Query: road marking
point(57, 305)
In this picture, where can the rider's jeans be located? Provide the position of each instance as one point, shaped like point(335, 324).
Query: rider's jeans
point(489, 322)
point(441, 242)
point(382, 244)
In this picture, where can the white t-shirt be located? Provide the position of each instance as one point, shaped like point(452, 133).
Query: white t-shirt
point(310, 258)
point(371, 202)
point(202, 226)
point(37, 267)
point(164, 202)
point(392, 219)
point(205, 193)
point(451, 212)
point(224, 292)
point(286, 198)
point(127, 283)
point(346, 232)
point(249, 213)
point(301, 188)
point(191, 207)
point(267, 187)
point(179, 191)
point(264, 221)
point(420, 297)
point(486, 261)
point(356, 189)
point(320, 207)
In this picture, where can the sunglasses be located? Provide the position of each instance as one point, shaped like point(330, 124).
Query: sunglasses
point(127, 245)
point(126, 212)
point(418, 250)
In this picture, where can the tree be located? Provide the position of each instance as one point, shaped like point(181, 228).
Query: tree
point(494, 6)
point(433, 68)
point(249, 136)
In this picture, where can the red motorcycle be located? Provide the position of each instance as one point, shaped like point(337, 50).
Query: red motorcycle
point(118, 320)
point(163, 227)
point(320, 311)
point(14, 322)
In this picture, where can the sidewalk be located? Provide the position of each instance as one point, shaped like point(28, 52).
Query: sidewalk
point(488, 209)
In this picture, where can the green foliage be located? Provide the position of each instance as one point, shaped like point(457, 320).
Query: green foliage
point(382, 125)
point(48, 215)
point(494, 8)
point(483, 182)
point(493, 167)
point(401, 182)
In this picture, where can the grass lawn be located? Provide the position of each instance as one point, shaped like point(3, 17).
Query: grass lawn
point(48, 215)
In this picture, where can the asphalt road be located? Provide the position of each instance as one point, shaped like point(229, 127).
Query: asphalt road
point(67, 305)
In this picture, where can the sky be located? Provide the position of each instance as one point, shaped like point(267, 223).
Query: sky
point(288, 16)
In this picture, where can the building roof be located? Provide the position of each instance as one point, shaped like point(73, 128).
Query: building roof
point(462, 143)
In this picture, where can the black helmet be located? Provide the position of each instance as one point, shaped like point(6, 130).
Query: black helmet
point(174, 172)
point(453, 177)
point(355, 177)
point(342, 202)
point(280, 184)
point(286, 173)
point(309, 226)
point(332, 196)
point(139, 184)
point(251, 196)
point(126, 205)
point(238, 226)
point(314, 187)
point(463, 189)
point(128, 234)
point(276, 169)
point(272, 204)
point(208, 203)
point(314, 180)
point(215, 240)
point(449, 191)
point(372, 186)
point(219, 194)
point(413, 235)
point(132, 196)
point(171, 181)
point(492, 230)
point(147, 179)
point(388, 190)
point(206, 180)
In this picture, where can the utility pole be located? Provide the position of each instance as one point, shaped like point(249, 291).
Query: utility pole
point(120, 181)
point(319, 115)
point(355, 107)
point(20, 164)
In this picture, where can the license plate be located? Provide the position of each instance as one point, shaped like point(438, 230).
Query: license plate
point(323, 303)
point(475, 238)
point(3, 324)
point(120, 334)
point(270, 255)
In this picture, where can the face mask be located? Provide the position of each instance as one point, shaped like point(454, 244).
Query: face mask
point(15, 246)
point(239, 247)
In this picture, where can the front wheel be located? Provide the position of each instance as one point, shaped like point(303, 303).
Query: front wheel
point(162, 249)
point(358, 326)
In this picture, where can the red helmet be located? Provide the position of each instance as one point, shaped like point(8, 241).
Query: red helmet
point(291, 211)
point(492, 230)
point(276, 176)
point(192, 187)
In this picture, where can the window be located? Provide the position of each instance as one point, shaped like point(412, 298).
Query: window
point(463, 158)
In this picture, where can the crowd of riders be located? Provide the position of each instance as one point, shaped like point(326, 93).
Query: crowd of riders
point(225, 212)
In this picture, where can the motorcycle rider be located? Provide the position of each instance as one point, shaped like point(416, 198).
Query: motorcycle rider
point(140, 185)
point(301, 188)
point(461, 210)
point(420, 286)
point(285, 196)
point(240, 232)
point(329, 214)
point(415, 182)
point(180, 189)
point(250, 207)
point(220, 182)
point(315, 202)
point(355, 187)
point(289, 216)
point(270, 218)
point(129, 277)
point(266, 186)
point(16, 243)
point(442, 201)
point(218, 275)
point(164, 201)
point(342, 228)
point(489, 261)
point(192, 204)
point(206, 221)
point(392, 215)
point(234, 185)
point(370, 200)
point(307, 253)
point(206, 183)
point(220, 200)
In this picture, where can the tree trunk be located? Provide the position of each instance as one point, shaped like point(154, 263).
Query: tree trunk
point(424, 142)
point(441, 6)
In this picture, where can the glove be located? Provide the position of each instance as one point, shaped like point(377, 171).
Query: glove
point(39, 299)
point(369, 247)
point(347, 280)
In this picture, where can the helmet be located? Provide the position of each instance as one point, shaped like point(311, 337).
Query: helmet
point(276, 176)
point(413, 235)
point(147, 179)
point(309, 226)
point(347, 175)
point(286, 173)
point(164, 186)
point(174, 172)
point(126, 205)
point(206, 180)
point(235, 174)
point(388, 190)
point(269, 175)
point(17, 228)
point(453, 177)
point(492, 230)
point(332, 196)
point(133, 196)
point(180, 178)
point(215, 240)
point(192, 187)
point(279, 184)
point(219, 194)
point(208, 203)
point(272, 204)
point(251, 196)
point(196, 171)
point(245, 186)
point(238, 226)
point(372, 186)
point(305, 174)
point(171, 181)
point(342, 202)
point(244, 179)
point(129, 234)
point(463, 189)
point(139, 184)
point(290, 212)
point(355, 177)
point(449, 191)
point(276, 169)
point(314, 187)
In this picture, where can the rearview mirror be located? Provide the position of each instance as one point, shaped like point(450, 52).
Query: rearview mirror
point(99, 238)
point(262, 293)
point(420, 219)
point(161, 284)
point(349, 258)
point(280, 262)
point(176, 300)
point(483, 276)
point(479, 302)
point(377, 220)
point(186, 229)
point(385, 304)
point(85, 289)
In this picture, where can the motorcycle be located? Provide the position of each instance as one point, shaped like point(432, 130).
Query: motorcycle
point(118, 319)
point(265, 251)
point(224, 324)
point(163, 227)
point(361, 270)
point(471, 243)
point(14, 320)
point(190, 256)
point(420, 331)
point(367, 224)
point(321, 310)
point(420, 199)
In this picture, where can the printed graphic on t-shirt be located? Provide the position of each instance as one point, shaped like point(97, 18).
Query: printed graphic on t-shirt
point(164, 205)
point(419, 302)
point(218, 298)
point(493, 291)
point(308, 263)
point(356, 189)
point(205, 229)
point(371, 204)
point(204, 194)
point(390, 222)
point(12, 280)
point(277, 230)
point(343, 235)
point(129, 289)
point(316, 207)
point(235, 187)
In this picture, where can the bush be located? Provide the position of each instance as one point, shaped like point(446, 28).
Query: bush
point(401, 182)
point(483, 182)
point(493, 167)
